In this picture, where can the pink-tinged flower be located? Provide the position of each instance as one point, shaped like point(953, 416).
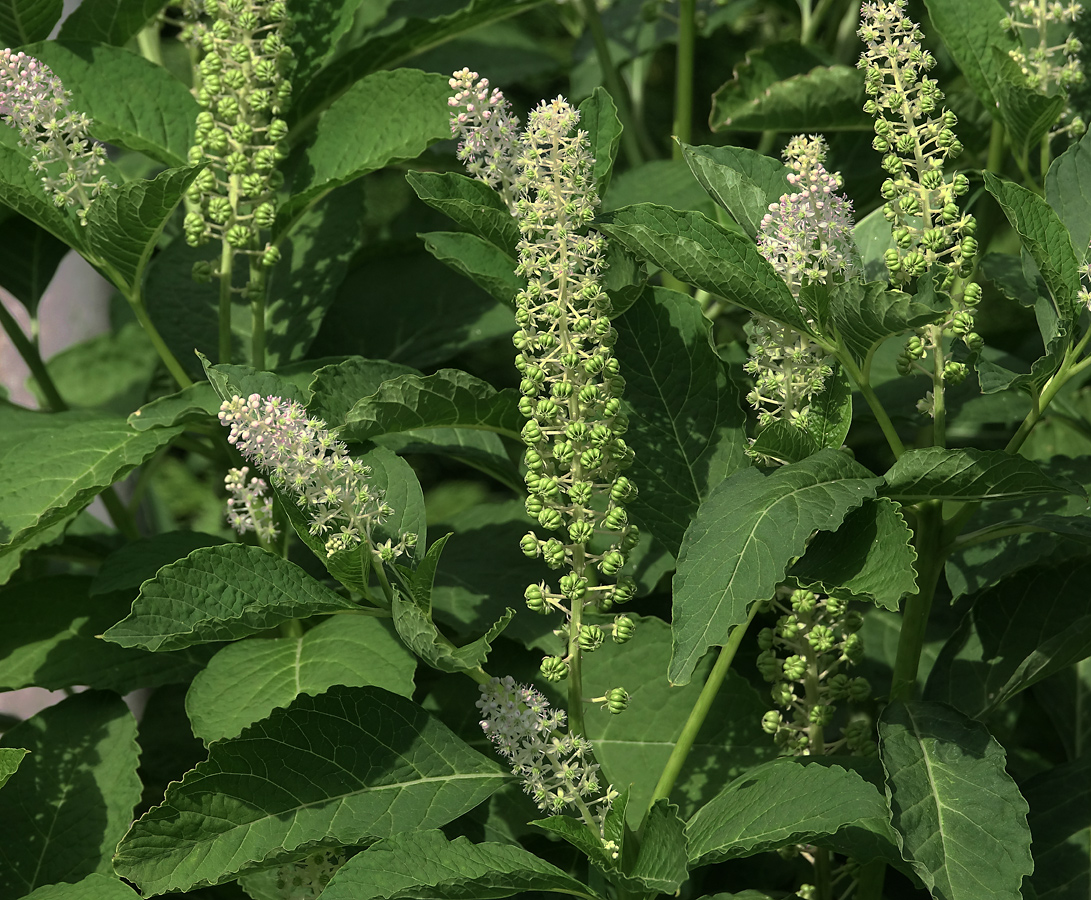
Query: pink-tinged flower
point(488, 132)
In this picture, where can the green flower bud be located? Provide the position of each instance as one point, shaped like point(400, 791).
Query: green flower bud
point(278, 130)
point(580, 492)
point(270, 256)
point(581, 532)
point(612, 562)
point(822, 638)
point(563, 452)
point(770, 665)
point(622, 489)
point(534, 505)
point(550, 519)
point(852, 622)
point(219, 209)
point(531, 433)
point(573, 586)
point(591, 459)
point(616, 519)
point(624, 629)
point(766, 638)
point(974, 341)
point(535, 597)
point(822, 714)
point(803, 601)
point(770, 722)
point(554, 669)
point(630, 537)
point(591, 637)
point(562, 390)
point(853, 648)
point(237, 235)
point(203, 271)
point(795, 667)
point(529, 545)
point(782, 694)
point(624, 590)
point(859, 690)
point(617, 700)
point(789, 627)
point(588, 394)
point(546, 408)
point(837, 686)
point(265, 215)
point(553, 552)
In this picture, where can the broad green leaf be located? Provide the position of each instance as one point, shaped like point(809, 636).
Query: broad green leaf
point(686, 426)
point(55, 463)
point(10, 757)
point(486, 265)
point(93, 887)
point(1028, 627)
point(316, 30)
point(787, 87)
point(482, 450)
point(873, 238)
point(72, 799)
point(782, 442)
point(56, 645)
point(124, 224)
point(959, 818)
point(631, 746)
point(696, 250)
point(157, 120)
point(383, 118)
point(1027, 112)
point(933, 473)
point(870, 556)
point(338, 387)
point(29, 256)
point(667, 182)
point(1046, 239)
point(196, 403)
point(970, 29)
point(598, 117)
point(661, 865)
point(425, 864)
point(742, 181)
point(1064, 697)
point(349, 766)
point(743, 539)
point(247, 680)
point(786, 801)
point(471, 203)
point(447, 398)
point(1060, 823)
point(408, 37)
point(1068, 191)
point(242, 381)
point(865, 315)
point(220, 594)
point(23, 21)
point(109, 21)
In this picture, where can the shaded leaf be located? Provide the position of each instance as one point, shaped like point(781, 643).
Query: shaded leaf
point(598, 117)
point(29, 256)
point(742, 181)
point(1068, 192)
point(23, 21)
point(968, 474)
point(196, 403)
point(487, 266)
point(93, 887)
point(1060, 823)
point(10, 757)
point(1028, 113)
point(471, 203)
point(865, 315)
point(667, 182)
point(109, 21)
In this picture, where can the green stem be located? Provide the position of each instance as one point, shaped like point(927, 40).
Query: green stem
point(1044, 158)
point(863, 385)
point(939, 405)
point(700, 710)
point(683, 76)
point(614, 85)
point(28, 350)
point(120, 514)
point(227, 263)
point(930, 558)
point(257, 314)
point(147, 39)
point(575, 654)
point(984, 535)
point(997, 138)
point(136, 303)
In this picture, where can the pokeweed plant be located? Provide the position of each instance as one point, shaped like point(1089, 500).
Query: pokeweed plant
point(508, 496)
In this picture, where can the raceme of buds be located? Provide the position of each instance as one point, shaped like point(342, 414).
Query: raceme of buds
point(36, 104)
point(487, 131)
point(807, 237)
point(557, 768)
point(304, 459)
point(249, 507)
point(243, 90)
point(916, 138)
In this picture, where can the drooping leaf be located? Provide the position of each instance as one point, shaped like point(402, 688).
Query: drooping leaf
point(338, 387)
point(685, 425)
point(742, 181)
point(960, 820)
point(471, 203)
point(871, 556)
point(346, 767)
point(696, 250)
point(598, 117)
point(872, 236)
point(1068, 192)
point(23, 21)
point(662, 862)
point(426, 864)
point(10, 757)
point(218, 594)
point(131, 565)
point(1060, 823)
point(72, 798)
point(1027, 112)
point(744, 537)
point(667, 182)
point(487, 266)
point(93, 887)
point(29, 256)
point(247, 680)
point(865, 315)
point(968, 474)
point(109, 21)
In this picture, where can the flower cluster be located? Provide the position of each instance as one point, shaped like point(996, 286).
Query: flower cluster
point(802, 655)
point(305, 459)
point(307, 878)
point(487, 131)
point(556, 767)
point(1048, 66)
point(36, 104)
point(242, 89)
point(916, 138)
point(249, 507)
point(807, 237)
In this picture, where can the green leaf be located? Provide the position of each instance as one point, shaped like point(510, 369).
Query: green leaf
point(486, 265)
point(23, 21)
point(386, 117)
point(668, 182)
point(471, 203)
point(870, 556)
point(338, 387)
point(93, 887)
point(933, 473)
point(220, 594)
point(29, 256)
point(109, 21)
point(10, 757)
point(742, 181)
point(662, 864)
point(21, 189)
point(865, 315)
point(872, 236)
point(598, 117)
point(54, 464)
point(787, 87)
point(970, 29)
point(72, 799)
point(447, 398)
point(686, 427)
point(743, 539)
point(1028, 113)
point(196, 403)
point(158, 120)
point(124, 223)
point(696, 250)
point(1046, 239)
point(1028, 627)
point(131, 565)
point(426, 864)
point(960, 820)
point(1060, 823)
point(317, 28)
point(247, 680)
point(349, 766)
point(1068, 192)
point(57, 645)
point(786, 801)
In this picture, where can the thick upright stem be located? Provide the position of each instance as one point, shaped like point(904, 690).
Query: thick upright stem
point(28, 350)
point(683, 76)
point(227, 263)
point(165, 354)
